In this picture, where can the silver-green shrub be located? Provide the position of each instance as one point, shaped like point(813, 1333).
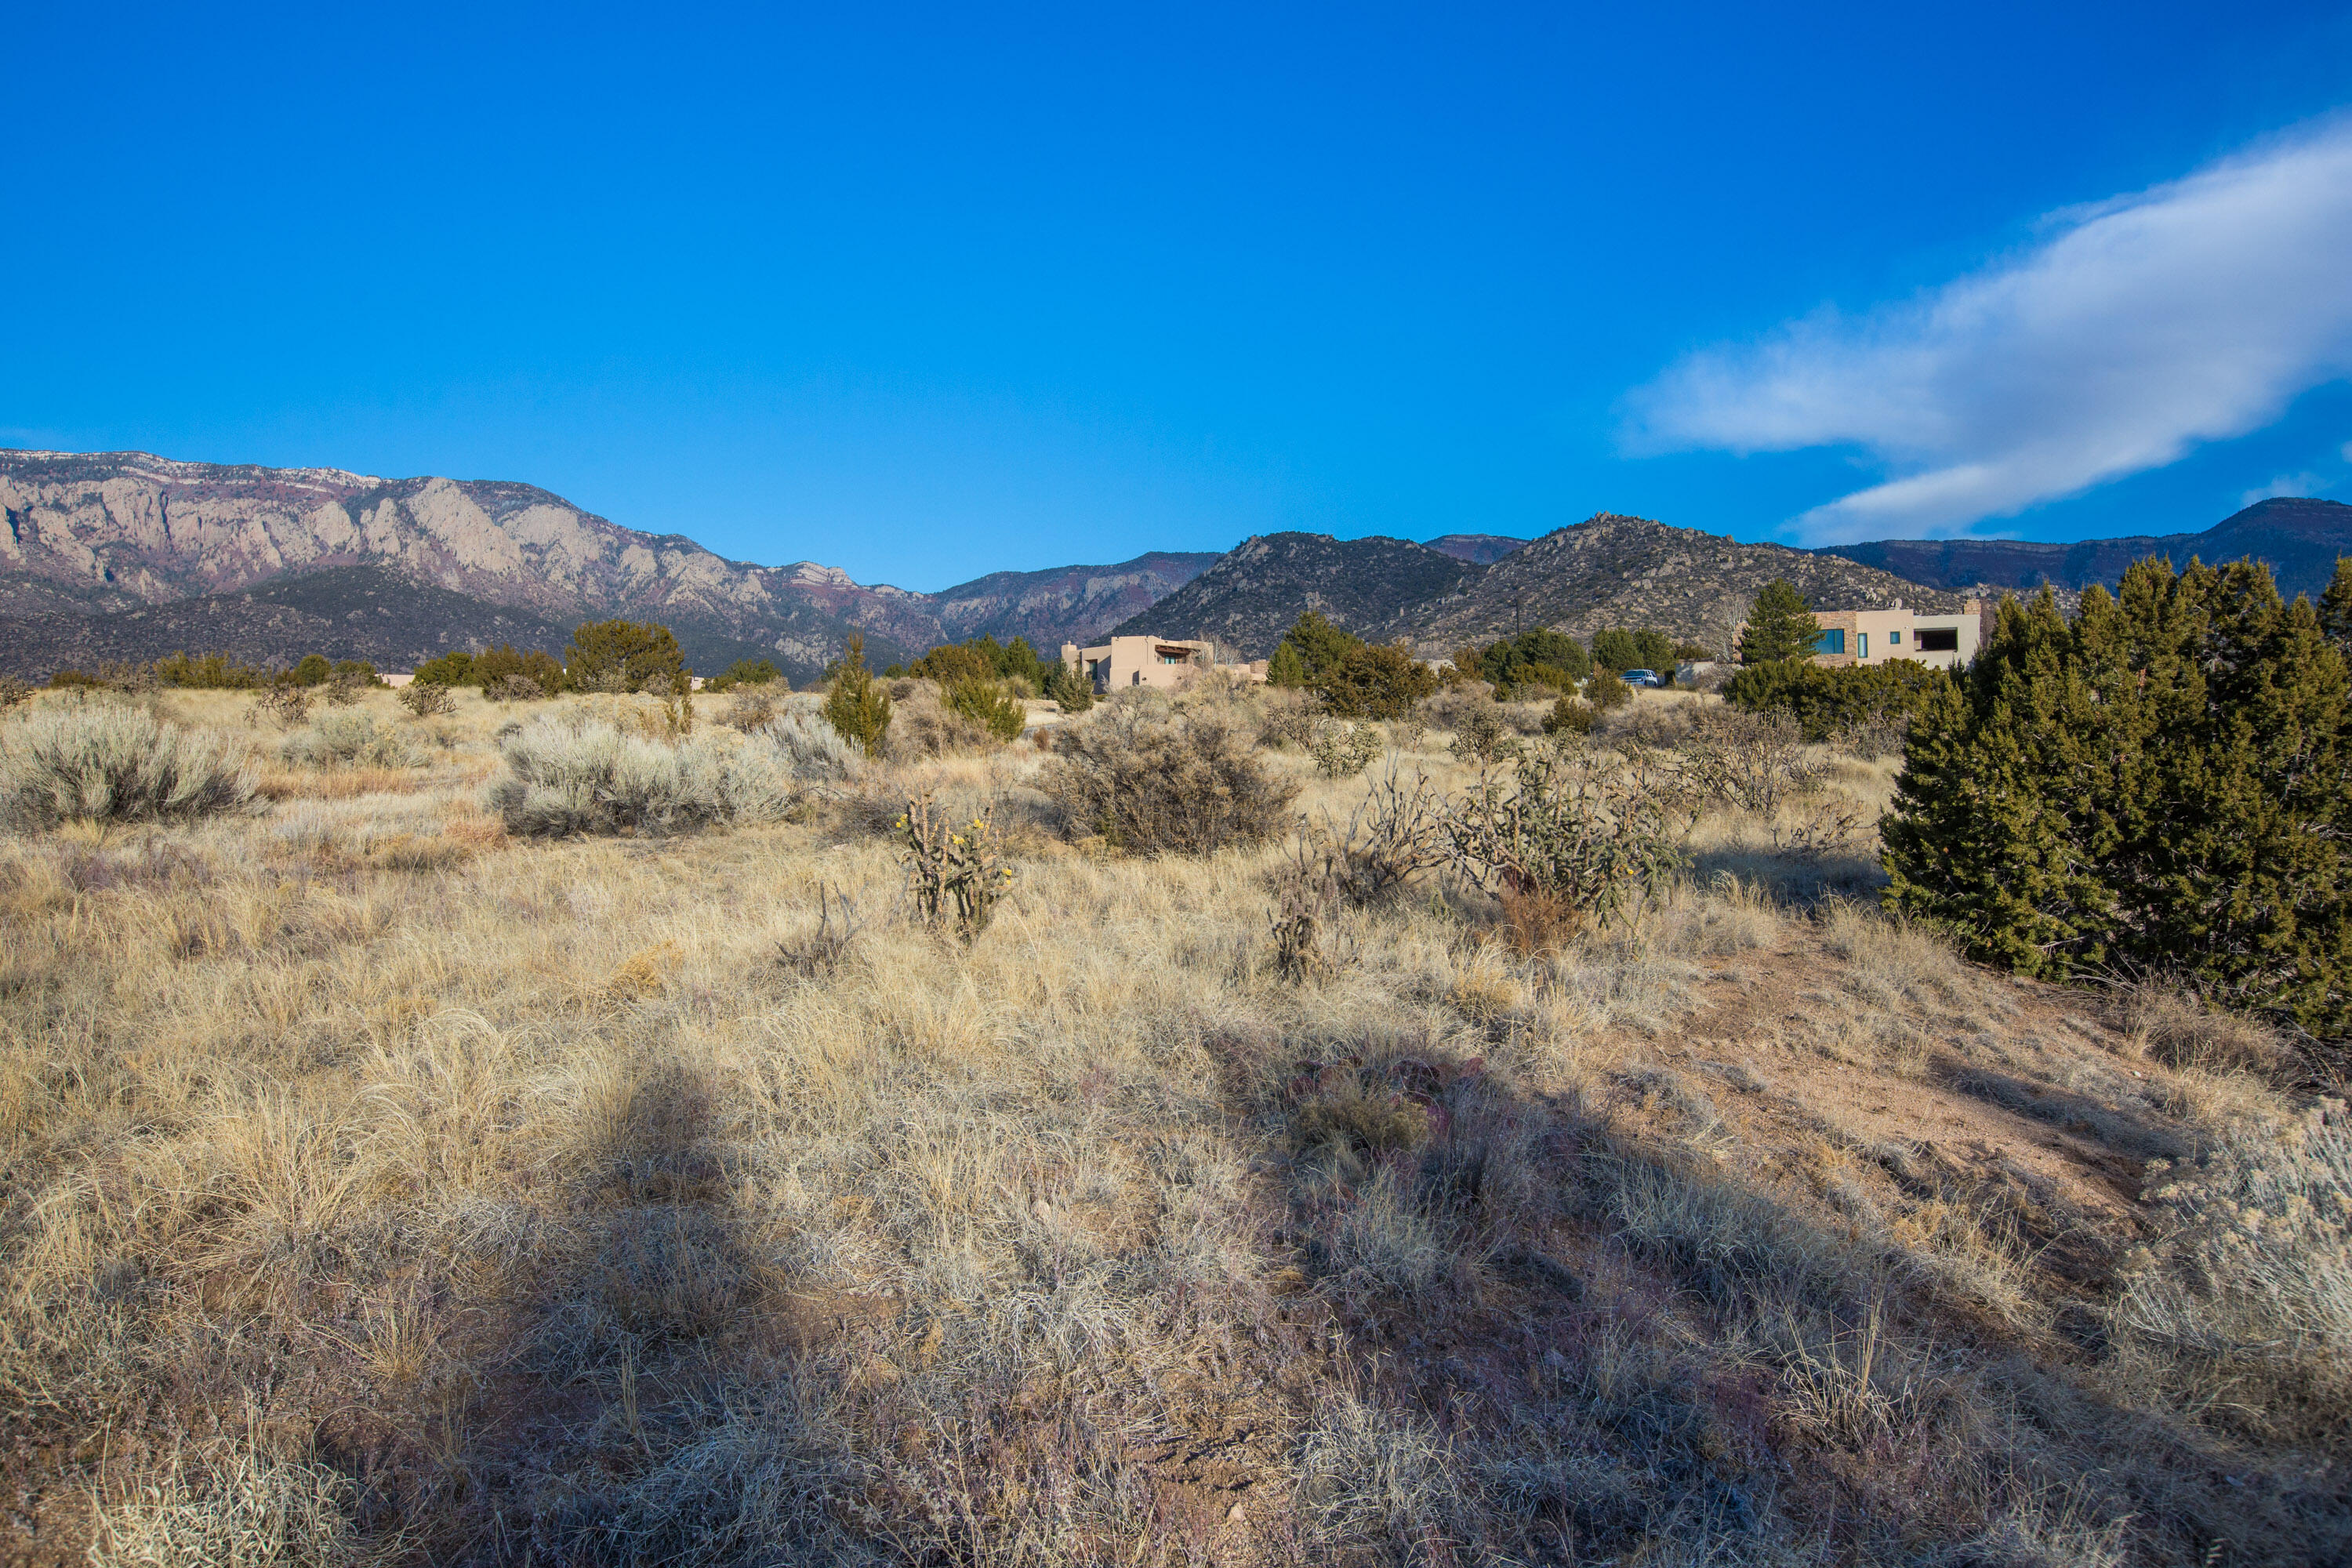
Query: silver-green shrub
point(813, 750)
point(345, 737)
point(587, 776)
point(110, 762)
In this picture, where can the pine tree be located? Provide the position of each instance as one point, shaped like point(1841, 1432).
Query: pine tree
point(1781, 626)
point(856, 706)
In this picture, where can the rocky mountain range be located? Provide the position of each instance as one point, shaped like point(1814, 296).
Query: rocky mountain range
point(1611, 571)
point(126, 556)
point(1249, 598)
point(1478, 549)
point(372, 613)
point(2300, 537)
point(96, 533)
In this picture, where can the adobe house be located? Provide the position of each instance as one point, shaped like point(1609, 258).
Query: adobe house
point(1156, 661)
point(1878, 636)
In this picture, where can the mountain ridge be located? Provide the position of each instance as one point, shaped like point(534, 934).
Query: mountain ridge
point(103, 533)
point(2298, 536)
point(94, 537)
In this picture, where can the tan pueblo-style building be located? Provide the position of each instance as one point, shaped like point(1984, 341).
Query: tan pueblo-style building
point(1157, 661)
point(1879, 636)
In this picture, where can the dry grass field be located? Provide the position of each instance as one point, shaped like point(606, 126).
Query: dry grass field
point(376, 1187)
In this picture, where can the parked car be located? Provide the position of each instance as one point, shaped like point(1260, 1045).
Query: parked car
point(1645, 677)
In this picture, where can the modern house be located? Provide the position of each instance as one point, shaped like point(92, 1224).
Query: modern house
point(1157, 661)
point(1876, 636)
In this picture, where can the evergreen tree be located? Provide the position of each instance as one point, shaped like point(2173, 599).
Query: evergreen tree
point(1780, 624)
point(1320, 645)
point(2336, 607)
point(856, 706)
point(1287, 666)
point(1378, 682)
point(1615, 650)
point(622, 655)
point(2159, 785)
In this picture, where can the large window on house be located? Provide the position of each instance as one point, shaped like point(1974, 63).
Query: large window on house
point(1940, 639)
point(1832, 641)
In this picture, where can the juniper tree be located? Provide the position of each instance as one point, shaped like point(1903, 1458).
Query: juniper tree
point(2158, 786)
point(856, 706)
point(1780, 624)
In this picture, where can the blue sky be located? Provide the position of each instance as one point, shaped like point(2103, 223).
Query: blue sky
point(925, 293)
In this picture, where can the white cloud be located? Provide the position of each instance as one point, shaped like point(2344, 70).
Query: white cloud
point(2191, 312)
point(2285, 485)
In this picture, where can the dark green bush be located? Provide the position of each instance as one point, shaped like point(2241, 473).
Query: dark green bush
point(982, 699)
point(1377, 682)
point(212, 672)
point(1826, 702)
point(1619, 650)
point(1516, 660)
point(2159, 785)
point(622, 655)
point(1569, 716)
point(854, 706)
point(1606, 690)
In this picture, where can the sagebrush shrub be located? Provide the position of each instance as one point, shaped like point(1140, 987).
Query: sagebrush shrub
point(924, 727)
point(814, 751)
point(1154, 778)
point(588, 777)
point(349, 739)
point(109, 763)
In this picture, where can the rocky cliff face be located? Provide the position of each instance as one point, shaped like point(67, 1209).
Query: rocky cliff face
point(1478, 549)
point(108, 531)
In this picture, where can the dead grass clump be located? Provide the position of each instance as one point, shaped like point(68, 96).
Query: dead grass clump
point(1156, 778)
point(2248, 1300)
point(2174, 1026)
point(340, 784)
point(111, 762)
point(1349, 1109)
point(239, 1509)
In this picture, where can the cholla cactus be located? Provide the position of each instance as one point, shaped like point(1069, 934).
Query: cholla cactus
point(953, 867)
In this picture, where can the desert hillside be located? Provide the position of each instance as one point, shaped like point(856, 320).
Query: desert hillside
point(409, 1161)
point(1611, 571)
